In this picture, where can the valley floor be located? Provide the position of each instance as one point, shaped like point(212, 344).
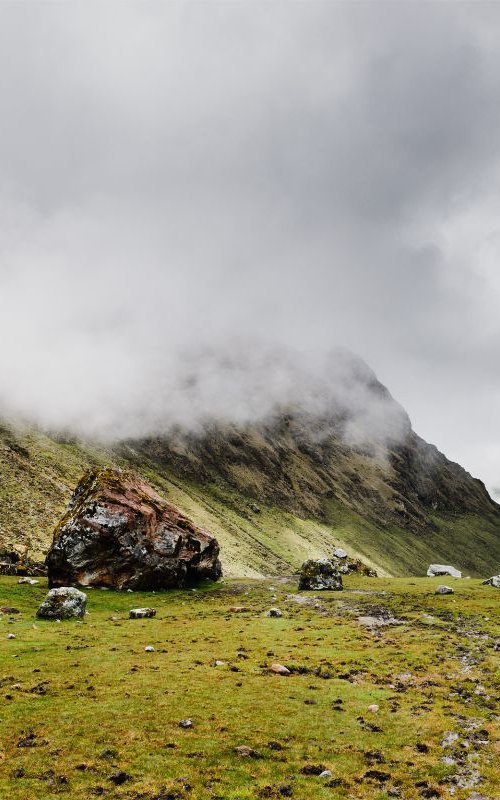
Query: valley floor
point(85, 711)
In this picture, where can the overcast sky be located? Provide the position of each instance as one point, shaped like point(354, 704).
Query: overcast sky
point(311, 174)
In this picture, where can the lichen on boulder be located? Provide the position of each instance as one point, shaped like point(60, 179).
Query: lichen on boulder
point(119, 533)
point(63, 603)
point(318, 574)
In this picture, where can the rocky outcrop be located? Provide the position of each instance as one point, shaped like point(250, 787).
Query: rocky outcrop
point(320, 574)
point(63, 603)
point(442, 569)
point(118, 533)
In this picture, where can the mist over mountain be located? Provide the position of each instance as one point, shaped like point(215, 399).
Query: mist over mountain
point(285, 175)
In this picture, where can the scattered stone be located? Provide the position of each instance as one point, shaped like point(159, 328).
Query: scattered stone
point(444, 590)
point(493, 581)
point(30, 581)
point(149, 649)
point(246, 752)
point(255, 508)
point(218, 663)
point(11, 636)
point(186, 723)
point(449, 739)
point(441, 569)
point(279, 669)
point(118, 532)
point(142, 613)
point(327, 773)
point(379, 622)
point(339, 552)
point(373, 709)
point(274, 612)
point(320, 574)
point(63, 603)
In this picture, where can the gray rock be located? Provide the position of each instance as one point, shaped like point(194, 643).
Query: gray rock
point(327, 773)
point(274, 612)
point(149, 649)
point(339, 552)
point(142, 613)
point(442, 569)
point(186, 723)
point(30, 581)
point(493, 581)
point(63, 603)
point(320, 574)
point(444, 590)
point(11, 636)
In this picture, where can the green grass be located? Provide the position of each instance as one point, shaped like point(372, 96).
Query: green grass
point(97, 703)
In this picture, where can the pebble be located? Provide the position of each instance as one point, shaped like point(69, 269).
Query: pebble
point(327, 773)
point(373, 708)
point(279, 669)
point(149, 648)
point(444, 590)
point(218, 663)
point(142, 613)
point(186, 723)
point(274, 612)
point(11, 636)
point(246, 752)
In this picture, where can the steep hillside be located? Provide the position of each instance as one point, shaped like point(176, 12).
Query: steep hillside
point(273, 494)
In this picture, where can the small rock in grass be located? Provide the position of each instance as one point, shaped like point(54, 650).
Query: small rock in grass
point(493, 581)
point(186, 723)
point(142, 613)
point(274, 612)
point(373, 708)
point(327, 773)
point(218, 663)
point(149, 649)
point(63, 603)
point(279, 669)
point(11, 636)
point(339, 552)
point(444, 590)
point(246, 752)
point(29, 581)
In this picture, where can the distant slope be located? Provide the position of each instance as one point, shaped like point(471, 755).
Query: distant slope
point(398, 515)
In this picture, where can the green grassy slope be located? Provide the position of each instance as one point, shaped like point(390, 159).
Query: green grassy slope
point(38, 474)
point(86, 712)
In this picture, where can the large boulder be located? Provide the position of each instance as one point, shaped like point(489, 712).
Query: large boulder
point(63, 603)
point(118, 533)
point(441, 569)
point(493, 581)
point(320, 574)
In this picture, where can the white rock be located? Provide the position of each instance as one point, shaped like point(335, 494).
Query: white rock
point(493, 581)
point(11, 636)
point(149, 649)
point(339, 552)
point(442, 569)
point(444, 590)
point(373, 708)
point(327, 773)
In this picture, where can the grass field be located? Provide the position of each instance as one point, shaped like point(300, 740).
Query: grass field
point(86, 712)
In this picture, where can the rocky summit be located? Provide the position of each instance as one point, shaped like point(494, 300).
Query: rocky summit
point(118, 533)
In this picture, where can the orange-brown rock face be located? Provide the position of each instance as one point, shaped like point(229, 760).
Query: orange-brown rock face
point(117, 532)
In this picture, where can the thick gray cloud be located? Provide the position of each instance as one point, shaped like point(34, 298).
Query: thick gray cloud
point(308, 175)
